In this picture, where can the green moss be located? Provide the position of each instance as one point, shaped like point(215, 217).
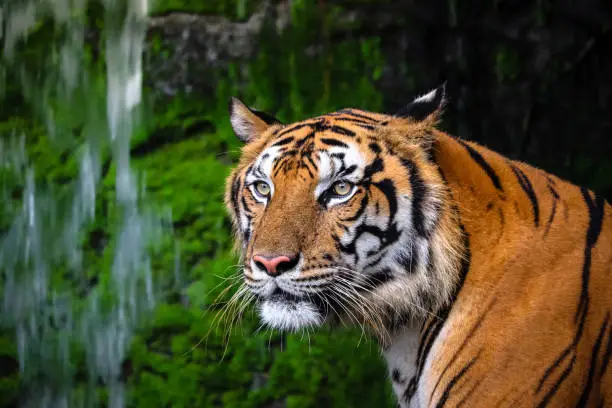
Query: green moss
point(185, 357)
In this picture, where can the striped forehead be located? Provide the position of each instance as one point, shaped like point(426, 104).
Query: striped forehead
point(323, 146)
point(319, 154)
point(341, 159)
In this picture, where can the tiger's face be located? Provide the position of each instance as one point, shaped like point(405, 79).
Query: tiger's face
point(335, 216)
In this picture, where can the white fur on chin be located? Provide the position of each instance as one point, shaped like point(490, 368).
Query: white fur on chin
point(290, 316)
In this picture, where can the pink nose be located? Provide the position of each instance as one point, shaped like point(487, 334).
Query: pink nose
point(275, 265)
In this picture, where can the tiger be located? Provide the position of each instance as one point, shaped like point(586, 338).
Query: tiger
point(486, 282)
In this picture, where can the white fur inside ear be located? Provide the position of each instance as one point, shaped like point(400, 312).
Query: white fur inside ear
point(428, 97)
point(242, 128)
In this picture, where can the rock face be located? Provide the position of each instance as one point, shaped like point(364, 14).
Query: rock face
point(528, 79)
point(185, 49)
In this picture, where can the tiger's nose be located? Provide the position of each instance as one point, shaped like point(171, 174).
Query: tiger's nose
point(275, 265)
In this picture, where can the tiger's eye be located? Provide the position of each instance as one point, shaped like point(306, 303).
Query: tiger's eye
point(262, 188)
point(342, 188)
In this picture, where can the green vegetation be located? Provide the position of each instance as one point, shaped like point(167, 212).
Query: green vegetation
point(183, 358)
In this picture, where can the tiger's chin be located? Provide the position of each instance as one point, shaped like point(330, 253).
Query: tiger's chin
point(290, 314)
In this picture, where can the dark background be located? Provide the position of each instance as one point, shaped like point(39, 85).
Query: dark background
point(530, 79)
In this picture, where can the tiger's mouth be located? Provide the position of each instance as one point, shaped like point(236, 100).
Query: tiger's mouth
point(335, 294)
point(286, 311)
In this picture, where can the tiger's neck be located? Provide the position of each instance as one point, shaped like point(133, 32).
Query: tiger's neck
point(491, 212)
point(472, 175)
point(488, 192)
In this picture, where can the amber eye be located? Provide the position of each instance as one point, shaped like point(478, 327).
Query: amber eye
point(262, 188)
point(341, 188)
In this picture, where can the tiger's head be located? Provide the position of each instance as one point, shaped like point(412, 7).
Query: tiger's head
point(344, 216)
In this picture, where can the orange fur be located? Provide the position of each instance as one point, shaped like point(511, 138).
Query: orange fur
point(524, 285)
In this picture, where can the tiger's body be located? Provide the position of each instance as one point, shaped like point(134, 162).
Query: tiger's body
point(487, 282)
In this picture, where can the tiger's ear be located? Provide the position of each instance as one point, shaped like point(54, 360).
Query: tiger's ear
point(426, 105)
point(248, 124)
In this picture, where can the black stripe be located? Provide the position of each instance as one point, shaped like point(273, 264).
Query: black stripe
point(596, 213)
point(312, 163)
point(333, 142)
point(477, 157)
point(465, 262)
point(347, 249)
point(339, 118)
point(502, 219)
point(281, 163)
point(408, 260)
point(364, 126)
point(375, 261)
point(356, 122)
point(558, 383)
point(362, 207)
point(584, 397)
point(307, 138)
point(419, 192)
point(339, 129)
point(528, 188)
point(358, 115)
point(375, 167)
point(374, 147)
point(455, 380)
point(426, 327)
point(284, 141)
point(428, 337)
point(295, 127)
point(378, 278)
point(561, 357)
point(350, 169)
point(387, 187)
point(308, 170)
point(234, 194)
point(256, 171)
point(555, 196)
point(396, 376)
point(386, 237)
point(607, 354)
point(246, 208)
point(425, 343)
point(409, 391)
point(246, 234)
